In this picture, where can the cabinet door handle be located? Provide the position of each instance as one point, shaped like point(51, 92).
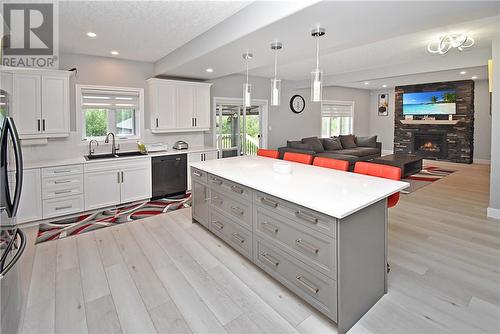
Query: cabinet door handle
point(270, 227)
point(268, 202)
point(306, 284)
point(197, 174)
point(218, 225)
point(38, 121)
point(43, 124)
point(306, 217)
point(62, 192)
point(237, 210)
point(157, 122)
point(195, 121)
point(122, 176)
point(118, 174)
point(237, 189)
point(239, 238)
point(270, 259)
point(64, 207)
point(304, 245)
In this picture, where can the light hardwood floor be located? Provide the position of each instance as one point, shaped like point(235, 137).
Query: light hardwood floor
point(165, 274)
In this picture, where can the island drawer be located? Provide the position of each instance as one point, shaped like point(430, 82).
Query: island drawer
point(239, 211)
point(316, 288)
point(309, 246)
point(235, 189)
point(62, 170)
point(232, 233)
point(198, 175)
point(306, 217)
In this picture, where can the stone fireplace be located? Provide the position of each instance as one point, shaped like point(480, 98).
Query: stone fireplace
point(450, 141)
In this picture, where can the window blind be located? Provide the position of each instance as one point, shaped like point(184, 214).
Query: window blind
point(109, 99)
point(337, 108)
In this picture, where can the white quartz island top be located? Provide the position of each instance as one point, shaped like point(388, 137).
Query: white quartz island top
point(331, 192)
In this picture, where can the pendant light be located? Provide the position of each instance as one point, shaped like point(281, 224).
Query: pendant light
point(317, 74)
point(247, 88)
point(275, 82)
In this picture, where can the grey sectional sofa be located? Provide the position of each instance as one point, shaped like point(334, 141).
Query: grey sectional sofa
point(347, 147)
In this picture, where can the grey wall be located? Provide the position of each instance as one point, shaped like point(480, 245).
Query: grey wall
point(383, 126)
point(494, 209)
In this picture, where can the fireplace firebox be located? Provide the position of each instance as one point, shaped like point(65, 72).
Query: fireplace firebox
point(430, 145)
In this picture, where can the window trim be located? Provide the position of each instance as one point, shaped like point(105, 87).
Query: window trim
point(350, 103)
point(80, 119)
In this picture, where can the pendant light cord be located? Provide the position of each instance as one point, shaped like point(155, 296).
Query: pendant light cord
point(247, 71)
point(275, 64)
point(317, 52)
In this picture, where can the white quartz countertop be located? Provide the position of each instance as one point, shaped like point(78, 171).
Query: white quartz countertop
point(334, 193)
point(82, 160)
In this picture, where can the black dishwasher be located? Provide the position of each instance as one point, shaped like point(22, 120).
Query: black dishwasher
point(169, 175)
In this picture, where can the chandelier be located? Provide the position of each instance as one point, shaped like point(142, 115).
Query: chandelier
point(447, 42)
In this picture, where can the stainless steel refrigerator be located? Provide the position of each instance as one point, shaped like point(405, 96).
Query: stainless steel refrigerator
point(12, 238)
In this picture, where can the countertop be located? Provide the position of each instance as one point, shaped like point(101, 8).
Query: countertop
point(82, 160)
point(331, 192)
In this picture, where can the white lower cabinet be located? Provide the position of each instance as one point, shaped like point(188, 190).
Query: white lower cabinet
point(196, 157)
point(30, 206)
point(115, 182)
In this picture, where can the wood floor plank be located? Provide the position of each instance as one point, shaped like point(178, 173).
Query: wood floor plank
point(108, 249)
point(167, 319)
point(67, 254)
point(94, 282)
point(70, 308)
point(132, 313)
point(242, 325)
point(317, 324)
point(196, 313)
point(149, 246)
point(102, 317)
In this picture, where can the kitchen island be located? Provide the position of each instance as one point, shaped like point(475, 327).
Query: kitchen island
point(320, 232)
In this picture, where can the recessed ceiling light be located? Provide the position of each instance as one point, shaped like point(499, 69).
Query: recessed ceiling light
point(463, 72)
point(367, 83)
point(384, 86)
point(91, 34)
point(209, 70)
point(474, 77)
point(115, 53)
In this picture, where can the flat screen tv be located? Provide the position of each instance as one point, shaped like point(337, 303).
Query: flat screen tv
point(430, 103)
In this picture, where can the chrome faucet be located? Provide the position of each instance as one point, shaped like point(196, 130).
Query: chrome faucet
point(91, 149)
point(114, 147)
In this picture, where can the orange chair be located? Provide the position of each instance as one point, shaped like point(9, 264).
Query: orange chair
point(331, 163)
point(298, 157)
point(268, 153)
point(384, 171)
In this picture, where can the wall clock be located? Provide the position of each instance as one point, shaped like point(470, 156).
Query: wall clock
point(297, 104)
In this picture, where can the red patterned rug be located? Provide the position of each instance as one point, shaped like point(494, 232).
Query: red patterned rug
point(425, 177)
point(110, 217)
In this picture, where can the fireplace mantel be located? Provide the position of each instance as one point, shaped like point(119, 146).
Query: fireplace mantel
point(430, 121)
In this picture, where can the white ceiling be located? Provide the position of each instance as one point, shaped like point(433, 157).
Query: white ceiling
point(138, 30)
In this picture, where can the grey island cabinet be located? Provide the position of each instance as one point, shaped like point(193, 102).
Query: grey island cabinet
point(322, 233)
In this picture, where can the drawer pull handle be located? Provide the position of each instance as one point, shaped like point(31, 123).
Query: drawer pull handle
point(306, 284)
point(218, 200)
point(238, 237)
point(197, 174)
point(237, 210)
point(218, 225)
point(270, 227)
point(62, 181)
point(237, 189)
point(61, 171)
point(217, 181)
point(306, 217)
point(62, 192)
point(64, 207)
point(306, 246)
point(268, 202)
point(270, 259)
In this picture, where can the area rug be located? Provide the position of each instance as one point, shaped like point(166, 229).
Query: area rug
point(426, 176)
point(109, 217)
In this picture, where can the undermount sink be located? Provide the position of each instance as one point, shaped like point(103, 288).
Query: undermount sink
point(113, 156)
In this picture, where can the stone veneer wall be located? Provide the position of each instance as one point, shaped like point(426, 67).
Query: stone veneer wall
point(460, 137)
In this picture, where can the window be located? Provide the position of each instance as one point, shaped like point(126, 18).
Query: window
point(107, 110)
point(336, 118)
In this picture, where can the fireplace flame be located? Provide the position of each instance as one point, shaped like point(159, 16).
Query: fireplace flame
point(429, 146)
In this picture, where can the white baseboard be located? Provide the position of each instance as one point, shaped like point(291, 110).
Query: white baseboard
point(493, 213)
point(482, 161)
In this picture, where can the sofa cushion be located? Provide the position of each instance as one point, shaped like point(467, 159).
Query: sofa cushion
point(359, 151)
point(348, 141)
point(296, 144)
point(333, 155)
point(332, 144)
point(366, 141)
point(315, 143)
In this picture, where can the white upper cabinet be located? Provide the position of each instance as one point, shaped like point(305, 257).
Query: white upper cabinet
point(40, 103)
point(179, 106)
